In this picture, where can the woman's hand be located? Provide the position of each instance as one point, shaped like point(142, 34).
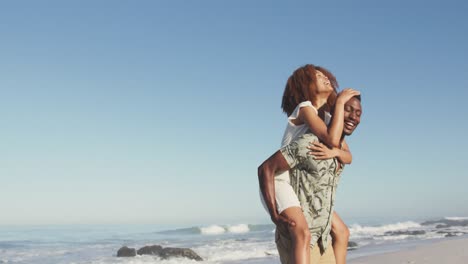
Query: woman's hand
point(320, 151)
point(345, 95)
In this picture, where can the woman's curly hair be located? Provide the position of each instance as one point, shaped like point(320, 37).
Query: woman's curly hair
point(297, 87)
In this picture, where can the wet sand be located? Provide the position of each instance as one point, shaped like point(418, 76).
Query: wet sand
point(451, 251)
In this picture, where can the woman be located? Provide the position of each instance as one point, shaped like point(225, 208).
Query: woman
point(308, 90)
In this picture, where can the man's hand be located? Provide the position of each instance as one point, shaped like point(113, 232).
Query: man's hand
point(281, 220)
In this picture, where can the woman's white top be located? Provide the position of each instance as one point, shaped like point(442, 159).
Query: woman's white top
point(292, 132)
point(284, 193)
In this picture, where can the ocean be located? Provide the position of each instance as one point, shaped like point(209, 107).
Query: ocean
point(230, 244)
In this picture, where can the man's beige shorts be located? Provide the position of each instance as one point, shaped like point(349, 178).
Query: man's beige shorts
point(284, 245)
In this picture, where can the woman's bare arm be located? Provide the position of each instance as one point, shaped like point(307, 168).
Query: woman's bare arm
point(322, 152)
point(331, 135)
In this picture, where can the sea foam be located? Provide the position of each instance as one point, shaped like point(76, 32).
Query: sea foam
point(370, 231)
point(242, 228)
point(212, 230)
point(455, 218)
point(238, 251)
point(217, 229)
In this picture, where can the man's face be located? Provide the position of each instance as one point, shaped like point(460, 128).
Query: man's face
point(352, 115)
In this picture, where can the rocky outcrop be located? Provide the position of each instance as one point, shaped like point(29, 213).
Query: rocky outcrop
point(180, 252)
point(150, 250)
point(406, 232)
point(352, 245)
point(451, 233)
point(157, 250)
point(126, 252)
point(448, 222)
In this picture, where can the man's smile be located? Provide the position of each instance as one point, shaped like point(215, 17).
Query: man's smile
point(350, 124)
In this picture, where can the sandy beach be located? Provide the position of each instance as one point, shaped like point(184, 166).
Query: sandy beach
point(449, 251)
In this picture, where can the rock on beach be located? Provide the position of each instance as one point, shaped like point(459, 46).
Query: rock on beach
point(157, 250)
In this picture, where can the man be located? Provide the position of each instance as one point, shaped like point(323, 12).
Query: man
point(314, 182)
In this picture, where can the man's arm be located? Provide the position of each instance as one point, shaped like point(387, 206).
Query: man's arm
point(266, 178)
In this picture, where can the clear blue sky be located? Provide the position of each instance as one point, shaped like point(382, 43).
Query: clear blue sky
point(160, 112)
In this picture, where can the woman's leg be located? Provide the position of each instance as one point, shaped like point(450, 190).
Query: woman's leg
point(340, 234)
point(300, 235)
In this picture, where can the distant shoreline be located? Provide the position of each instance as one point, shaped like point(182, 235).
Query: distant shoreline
point(446, 251)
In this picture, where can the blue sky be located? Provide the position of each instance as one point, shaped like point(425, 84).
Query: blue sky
point(160, 112)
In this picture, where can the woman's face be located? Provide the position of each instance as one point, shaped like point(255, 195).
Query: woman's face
point(322, 82)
